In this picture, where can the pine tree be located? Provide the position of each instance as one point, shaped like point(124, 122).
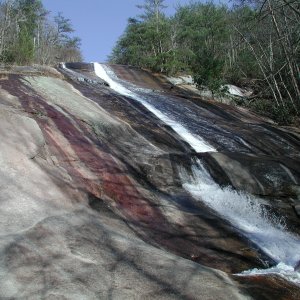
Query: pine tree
point(31, 10)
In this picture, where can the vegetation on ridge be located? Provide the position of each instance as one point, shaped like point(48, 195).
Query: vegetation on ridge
point(252, 43)
point(28, 35)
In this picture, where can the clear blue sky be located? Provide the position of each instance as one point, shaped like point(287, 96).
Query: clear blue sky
point(99, 23)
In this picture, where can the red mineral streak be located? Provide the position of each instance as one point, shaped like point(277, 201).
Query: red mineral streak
point(113, 180)
point(95, 169)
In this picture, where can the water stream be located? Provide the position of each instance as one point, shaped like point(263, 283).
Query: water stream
point(195, 141)
point(249, 215)
point(245, 212)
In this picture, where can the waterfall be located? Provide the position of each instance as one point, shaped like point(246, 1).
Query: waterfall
point(249, 215)
point(243, 211)
point(195, 141)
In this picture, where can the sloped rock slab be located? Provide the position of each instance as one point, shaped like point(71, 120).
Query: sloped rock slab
point(71, 70)
point(95, 154)
point(81, 256)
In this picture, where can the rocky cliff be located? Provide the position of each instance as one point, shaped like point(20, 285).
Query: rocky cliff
point(93, 198)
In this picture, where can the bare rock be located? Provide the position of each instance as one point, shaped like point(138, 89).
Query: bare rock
point(81, 256)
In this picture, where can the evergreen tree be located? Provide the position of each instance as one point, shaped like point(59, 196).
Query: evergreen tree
point(254, 43)
point(27, 34)
point(31, 10)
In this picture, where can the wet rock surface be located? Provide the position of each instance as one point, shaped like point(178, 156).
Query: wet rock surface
point(91, 189)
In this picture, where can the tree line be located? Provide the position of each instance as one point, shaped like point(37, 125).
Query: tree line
point(251, 43)
point(28, 35)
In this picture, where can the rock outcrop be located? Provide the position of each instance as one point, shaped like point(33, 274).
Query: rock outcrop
point(92, 204)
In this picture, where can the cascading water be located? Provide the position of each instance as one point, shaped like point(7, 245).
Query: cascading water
point(244, 211)
point(248, 214)
point(195, 141)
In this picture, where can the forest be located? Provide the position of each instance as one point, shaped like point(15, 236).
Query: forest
point(29, 35)
point(253, 44)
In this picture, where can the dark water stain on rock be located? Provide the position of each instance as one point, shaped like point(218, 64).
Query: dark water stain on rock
point(269, 287)
point(171, 221)
point(194, 237)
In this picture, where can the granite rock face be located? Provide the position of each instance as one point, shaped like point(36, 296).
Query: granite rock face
point(92, 204)
point(78, 255)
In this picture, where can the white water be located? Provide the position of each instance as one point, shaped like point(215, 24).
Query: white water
point(247, 213)
point(195, 141)
point(244, 212)
point(282, 270)
point(249, 216)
